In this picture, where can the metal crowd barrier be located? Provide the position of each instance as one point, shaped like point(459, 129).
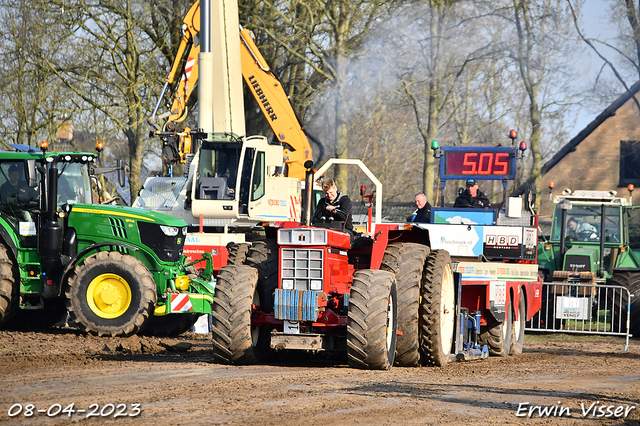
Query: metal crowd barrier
point(583, 308)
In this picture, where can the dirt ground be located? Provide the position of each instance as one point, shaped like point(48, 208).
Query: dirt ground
point(174, 381)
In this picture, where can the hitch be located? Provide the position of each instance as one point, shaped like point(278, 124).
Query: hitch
point(467, 329)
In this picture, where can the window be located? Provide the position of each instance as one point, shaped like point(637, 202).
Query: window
point(258, 177)
point(588, 221)
point(629, 163)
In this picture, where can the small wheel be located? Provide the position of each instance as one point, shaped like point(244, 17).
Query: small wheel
point(111, 294)
point(517, 338)
point(437, 309)
point(372, 320)
point(498, 336)
point(235, 339)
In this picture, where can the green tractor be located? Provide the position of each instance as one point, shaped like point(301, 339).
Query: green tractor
point(116, 270)
point(595, 239)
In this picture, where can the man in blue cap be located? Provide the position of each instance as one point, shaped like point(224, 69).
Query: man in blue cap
point(472, 197)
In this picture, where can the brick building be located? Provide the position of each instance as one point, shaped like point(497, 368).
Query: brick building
point(605, 155)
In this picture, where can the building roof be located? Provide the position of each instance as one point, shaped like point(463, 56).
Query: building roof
point(610, 111)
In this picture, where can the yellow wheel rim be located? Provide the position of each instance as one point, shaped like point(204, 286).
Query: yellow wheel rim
point(109, 295)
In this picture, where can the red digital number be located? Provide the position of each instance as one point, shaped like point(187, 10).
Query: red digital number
point(482, 169)
point(504, 164)
point(469, 161)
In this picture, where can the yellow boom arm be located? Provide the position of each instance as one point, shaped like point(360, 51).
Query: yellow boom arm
point(264, 85)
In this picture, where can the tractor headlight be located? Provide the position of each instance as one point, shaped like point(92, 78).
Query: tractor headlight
point(169, 231)
point(184, 231)
point(316, 285)
point(287, 284)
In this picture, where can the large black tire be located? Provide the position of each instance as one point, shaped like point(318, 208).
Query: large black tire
point(111, 294)
point(407, 262)
point(235, 340)
point(237, 253)
point(631, 281)
point(263, 255)
point(9, 286)
point(169, 325)
point(437, 309)
point(517, 334)
point(498, 336)
point(372, 320)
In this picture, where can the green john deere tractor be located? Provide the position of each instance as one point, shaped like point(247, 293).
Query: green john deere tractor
point(595, 238)
point(116, 270)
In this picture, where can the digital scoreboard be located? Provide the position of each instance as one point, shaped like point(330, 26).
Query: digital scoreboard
point(480, 163)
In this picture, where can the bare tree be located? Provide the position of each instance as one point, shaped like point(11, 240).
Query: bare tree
point(110, 72)
point(542, 51)
point(624, 62)
point(34, 98)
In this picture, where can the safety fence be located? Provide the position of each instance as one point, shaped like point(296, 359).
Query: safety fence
point(584, 308)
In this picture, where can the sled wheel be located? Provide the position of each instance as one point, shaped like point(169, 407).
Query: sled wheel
point(517, 338)
point(498, 336)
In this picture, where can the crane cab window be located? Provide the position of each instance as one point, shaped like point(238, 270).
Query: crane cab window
point(217, 171)
point(257, 191)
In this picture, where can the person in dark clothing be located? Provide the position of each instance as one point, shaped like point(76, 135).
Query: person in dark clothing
point(472, 197)
point(334, 207)
point(423, 214)
point(15, 190)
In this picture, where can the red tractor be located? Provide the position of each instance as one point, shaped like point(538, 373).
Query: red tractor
point(385, 298)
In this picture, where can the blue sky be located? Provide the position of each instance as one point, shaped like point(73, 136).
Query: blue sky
point(595, 25)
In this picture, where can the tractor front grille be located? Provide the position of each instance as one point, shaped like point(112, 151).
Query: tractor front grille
point(167, 248)
point(577, 263)
point(301, 269)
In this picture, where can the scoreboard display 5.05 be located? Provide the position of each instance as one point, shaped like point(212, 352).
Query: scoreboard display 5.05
point(477, 163)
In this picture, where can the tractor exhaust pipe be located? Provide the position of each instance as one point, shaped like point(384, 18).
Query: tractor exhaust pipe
point(308, 192)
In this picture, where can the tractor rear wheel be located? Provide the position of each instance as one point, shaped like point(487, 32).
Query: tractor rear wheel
point(498, 336)
point(631, 281)
point(237, 253)
point(235, 339)
point(517, 338)
point(111, 294)
point(372, 320)
point(437, 309)
point(9, 286)
point(263, 255)
point(407, 262)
